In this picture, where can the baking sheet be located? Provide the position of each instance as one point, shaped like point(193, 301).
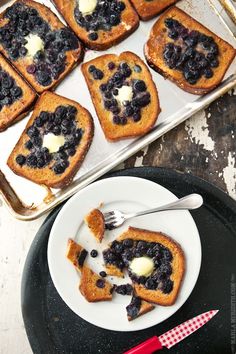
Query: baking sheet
point(176, 105)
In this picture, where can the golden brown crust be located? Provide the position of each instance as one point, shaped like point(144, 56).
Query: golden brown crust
point(72, 56)
point(96, 223)
point(178, 265)
point(149, 9)
point(149, 113)
point(113, 270)
point(106, 39)
point(73, 253)
point(157, 40)
point(45, 176)
point(19, 109)
point(89, 289)
point(144, 308)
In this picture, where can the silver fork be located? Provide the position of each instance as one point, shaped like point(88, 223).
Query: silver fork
point(116, 218)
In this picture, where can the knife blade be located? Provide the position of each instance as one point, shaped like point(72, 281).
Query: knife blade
point(173, 336)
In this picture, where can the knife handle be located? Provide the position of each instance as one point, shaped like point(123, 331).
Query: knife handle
point(148, 347)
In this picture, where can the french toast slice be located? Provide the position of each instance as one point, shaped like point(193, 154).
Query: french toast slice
point(186, 52)
point(16, 96)
point(137, 308)
point(148, 9)
point(95, 221)
point(38, 44)
point(76, 254)
point(123, 93)
point(54, 143)
point(93, 287)
point(162, 282)
point(99, 24)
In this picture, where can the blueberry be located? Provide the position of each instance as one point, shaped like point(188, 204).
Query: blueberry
point(94, 253)
point(116, 119)
point(32, 131)
point(71, 110)
point(59, 168)
point(137, 116)
point(98, 74)
point(91, 68)
point(129, 111)
point(169, 22)
point(7, 82)
point(173, 34)
point(16, 92)
point(123, 120)
point(36, 140)
point(31, 161)
point(150, 284)
point(44, 116)
point(41, 163)
point(167, 254)
point(214, 63)
point(29, 145)
point(20, 159)
point(103, 87)
point(71, 151)
point(108, 95)
point(167, 286)
point(118, 247)
point(115, 92)
point(140, 86)
point(128, 243)
point(43, 78)
point(56, 130)
point(114, 19)
point(103, 274)
point(125, 289)
point(111, 65)
point(121, 6)
point(144, 100)
point(208, 73)
point(93, 36)
point(22, 51)
point(31, 69)
point(100, 283)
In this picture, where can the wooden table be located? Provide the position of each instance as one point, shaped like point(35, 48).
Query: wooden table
point(204, 145)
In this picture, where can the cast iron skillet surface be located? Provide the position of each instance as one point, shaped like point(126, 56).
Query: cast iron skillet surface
point(53, 328)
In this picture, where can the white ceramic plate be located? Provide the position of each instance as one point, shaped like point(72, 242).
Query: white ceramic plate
point(127, 194)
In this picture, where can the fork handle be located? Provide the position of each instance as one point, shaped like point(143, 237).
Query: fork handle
point(191, 201)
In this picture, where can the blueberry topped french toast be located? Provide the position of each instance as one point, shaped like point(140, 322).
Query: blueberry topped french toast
point(123, 93)
point(16, 96)
point(186, 52)
point(37, 43)
point(100, 24)
point(54, 143)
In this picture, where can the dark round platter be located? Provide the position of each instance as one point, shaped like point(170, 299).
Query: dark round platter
point(53, 328)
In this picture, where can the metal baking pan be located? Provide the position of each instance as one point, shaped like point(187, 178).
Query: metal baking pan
point(27, 201)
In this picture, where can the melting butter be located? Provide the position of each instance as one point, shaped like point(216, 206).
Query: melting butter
point(142, 266)
point(34, 44)
point(53, 142)
point(86, 7)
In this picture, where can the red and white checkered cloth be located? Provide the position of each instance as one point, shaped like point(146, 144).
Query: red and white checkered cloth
point(182, 331)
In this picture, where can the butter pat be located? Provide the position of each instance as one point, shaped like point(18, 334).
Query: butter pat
point(142, 266)
point(53, 142)
point(125, 93)
point(87, 7)
point(34, 44)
